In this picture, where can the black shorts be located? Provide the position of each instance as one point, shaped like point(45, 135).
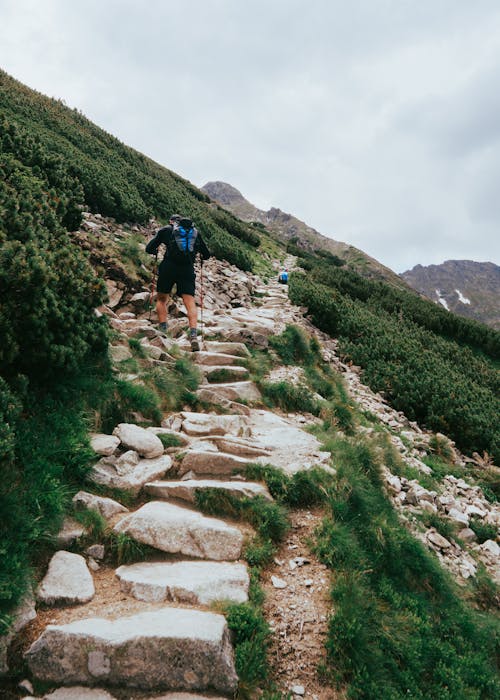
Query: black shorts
point(182, 275)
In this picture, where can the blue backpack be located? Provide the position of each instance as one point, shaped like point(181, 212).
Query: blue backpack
point(185, 238)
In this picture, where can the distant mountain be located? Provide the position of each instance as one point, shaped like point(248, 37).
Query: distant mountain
point(286, 226)
point(467, 288)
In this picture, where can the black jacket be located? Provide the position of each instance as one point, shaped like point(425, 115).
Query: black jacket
point(165, 236)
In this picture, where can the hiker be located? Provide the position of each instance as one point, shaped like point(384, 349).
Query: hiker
point(283, 276)
point(183, 242)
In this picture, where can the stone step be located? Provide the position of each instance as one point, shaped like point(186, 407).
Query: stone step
point(167, 649)
point(130, 476)
point(79, 692)
point(234, 391)
point(187, 490)
point(240, 447)
point(239, 349)
point(206, 395)
point(215, 359)
point(176, 530)
point(208, 462)
point(194, 582)
point(201, 424)
point(224, 373)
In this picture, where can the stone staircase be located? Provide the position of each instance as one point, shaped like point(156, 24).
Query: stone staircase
point(178, 646)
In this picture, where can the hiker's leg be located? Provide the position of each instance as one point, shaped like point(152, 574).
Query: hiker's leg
point(161, 307)
point(192, 312)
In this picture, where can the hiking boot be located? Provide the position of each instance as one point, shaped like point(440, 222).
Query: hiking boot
point(193, 339)
point(162, 328)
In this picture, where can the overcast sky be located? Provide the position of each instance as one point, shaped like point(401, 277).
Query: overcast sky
point(375, 121)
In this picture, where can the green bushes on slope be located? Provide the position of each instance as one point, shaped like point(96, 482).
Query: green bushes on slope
point(433, 380)
point(50, 333)
point(117, 181)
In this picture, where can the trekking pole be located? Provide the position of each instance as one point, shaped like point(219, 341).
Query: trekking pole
point(201, 297)
point(153, 285)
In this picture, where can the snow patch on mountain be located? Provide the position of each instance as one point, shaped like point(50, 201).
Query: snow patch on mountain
point(442, 300)
point(461, 297)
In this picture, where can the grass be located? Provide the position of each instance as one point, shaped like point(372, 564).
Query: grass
point(400, 624)
point(290, 397)
point(170, 440)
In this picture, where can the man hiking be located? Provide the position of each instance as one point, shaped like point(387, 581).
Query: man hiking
point(183, 242)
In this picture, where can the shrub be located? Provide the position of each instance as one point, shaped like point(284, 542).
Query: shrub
point(290, 397)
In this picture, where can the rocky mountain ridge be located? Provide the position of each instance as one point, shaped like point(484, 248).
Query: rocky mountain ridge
point(286, 227)
point(465, 287)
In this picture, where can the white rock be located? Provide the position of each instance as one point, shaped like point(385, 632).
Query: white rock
point(458, 516)
point(170, 648)
point(139, 439)
point(438, 540)
point(236, 391)
point(474, 511)
point(180, 531)
point(79, 692)
point(298, 690)
point(211, 462)
point(107, 507)
point(278, 582)
point(491, 548)
point(96, 551)
point(104, 444)
point(467, 535)
point(69, 533)
point(186, 490)
point(108, 474)
point(67, 580)
point(195, 582)
point(201, 424)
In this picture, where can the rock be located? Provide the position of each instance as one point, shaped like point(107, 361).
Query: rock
point(79, 692)
point(170, 648)
point(232, 373)
point(458, 516)
point(185, 696)
point(104, 445)
point(474, 511)
point(96, 551)
point(467, 535)
point(201, 424)
point(132, 481)
point(278, 582)
point(195, 582)
point(176, 530)
point(240, 447)
point(139, 439)
point(69, 533)
point(26, 687)
point(119, 353)
point(394, 483)
point(105, 506)
point(208, 462)
point(23, 614)
point(230, 348)
point(212, 397)
point(67, 581)
point(140, 299)
point(115, 294)
point(186, 490)
point(235, 391)
point(298, 690)
point(438, 540)
point(490, 548)
point(212, 359)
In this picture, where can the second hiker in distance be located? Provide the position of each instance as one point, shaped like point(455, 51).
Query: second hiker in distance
point(183, 242)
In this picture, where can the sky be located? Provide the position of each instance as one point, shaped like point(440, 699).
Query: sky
point(377, 122)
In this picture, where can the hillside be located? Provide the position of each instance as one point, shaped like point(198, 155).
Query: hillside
point(288, 228)
point(285, 513)
point(465, 287)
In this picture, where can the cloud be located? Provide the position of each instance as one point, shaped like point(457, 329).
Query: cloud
point(375, 121)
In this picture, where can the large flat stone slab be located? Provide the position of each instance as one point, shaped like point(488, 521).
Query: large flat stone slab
point(67, 581)
point(79, 692)
point(143, 441)
point(241, 447)
point(234, 391)
point(208, 396)
point(205, 462)
point(239, 349)
point(177, 530)
point(195, 582)
point(187, 490)
point(132, 478)
point(167, 649)
point(211, 359)
point(201, 424)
